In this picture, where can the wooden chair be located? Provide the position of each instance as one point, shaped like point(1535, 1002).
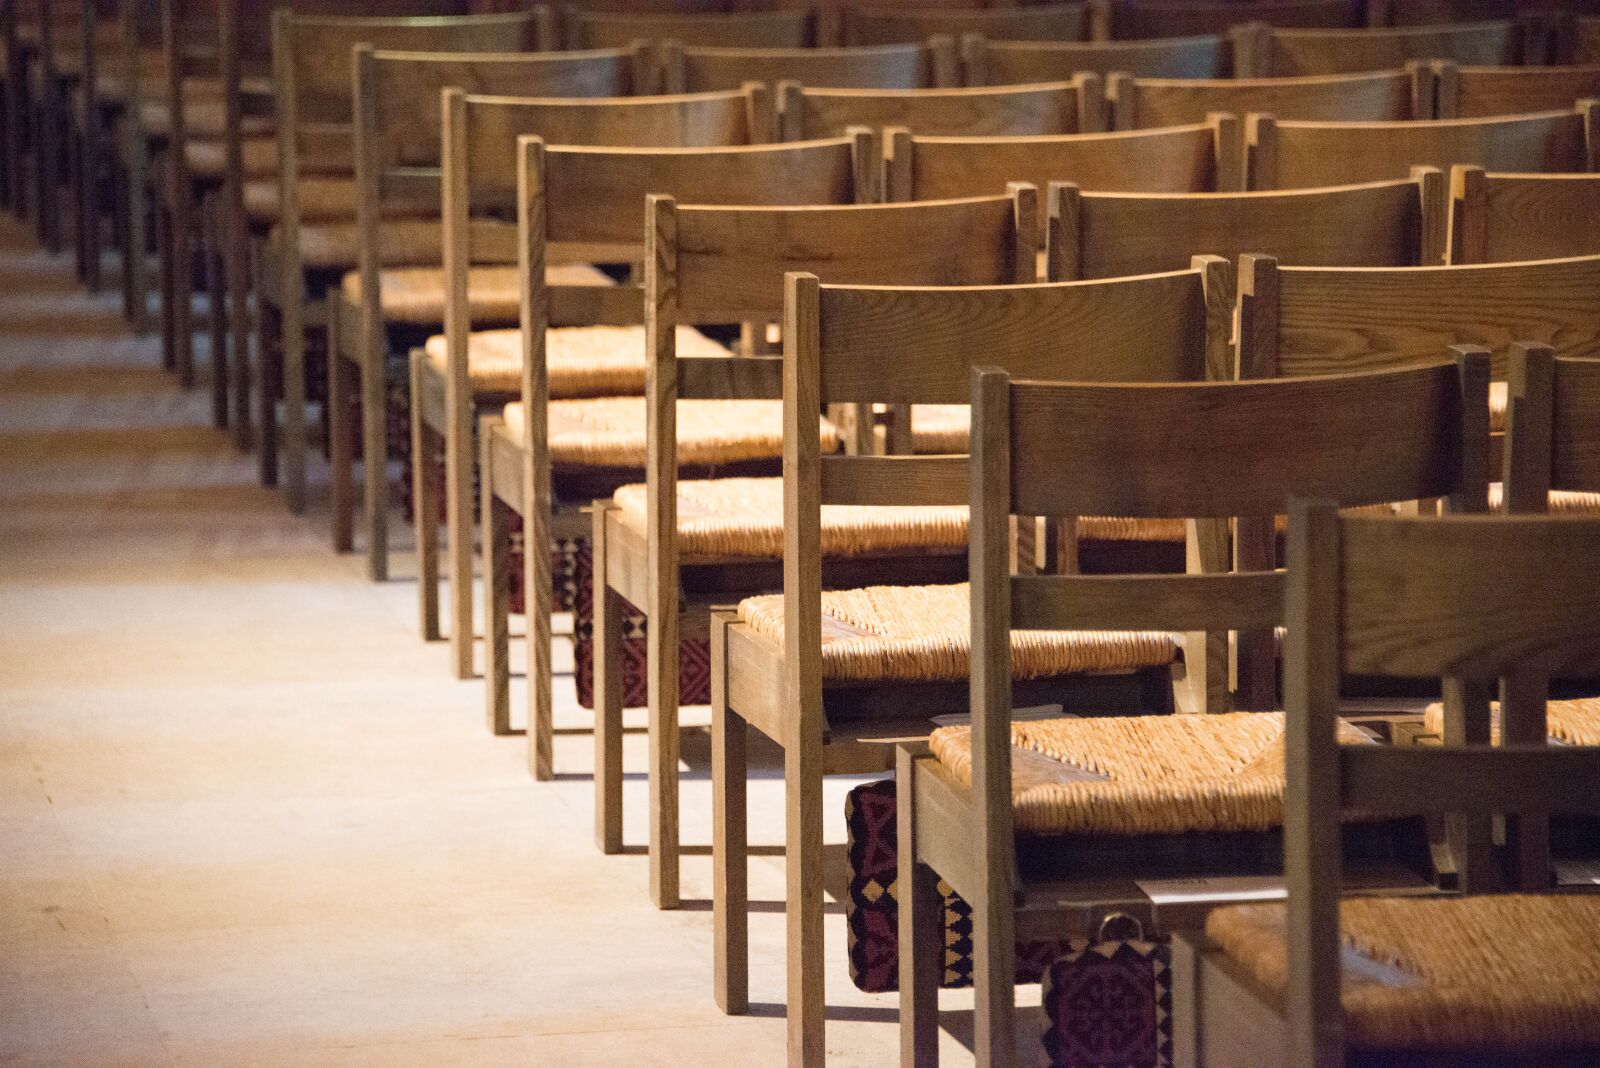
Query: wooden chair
point(1499, 217)
point(1470, 92)
point(1098, 234)
point(781, 28)
point(1203, 157)
point(313, 60)
point(481, 156)
point(903, 25)
point(1287, 155)
point(1281, 52)
point(1435, 12)
point(1127, 20)
point(1378, 96)
point(376, 311)
point(922, 65)
point(1020, 847)
point(712, 264)
point(985, 61)
point(1469, 599)
point(1051, 108)
point(544, 447)
point(889, 662)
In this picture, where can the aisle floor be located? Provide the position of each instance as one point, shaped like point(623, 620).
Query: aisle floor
point(248, 817)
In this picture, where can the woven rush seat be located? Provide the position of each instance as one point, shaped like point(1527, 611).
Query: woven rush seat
point(582, 361)
point(1485, 973)
point(923, 634)
point(1562, 502)
point(416, 295)
point(321, 198)
point(743, 517)
point(1575, 722)
point(610, 431)
point(335, 245)
point(1140, 774)
point(203, 117)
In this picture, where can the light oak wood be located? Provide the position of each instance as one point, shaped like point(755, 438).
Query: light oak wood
point(781, 28)
point(312, 73)
point(1500, 217)
point(1311, 320)
point(1381, 95)
point(917, 65)
point(1050, 108)
point(1187, 159)
point(1038, 330)
point(1017, 438)
point(899, 25)
point(1103, 235)
point(1119, 20)
point(1329, 51)
point(1286, 155)
point(481, 168)
point(398, 167)
point(994, 61)
point(1465, 92)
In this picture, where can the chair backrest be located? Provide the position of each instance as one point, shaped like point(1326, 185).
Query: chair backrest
point(398, 127)
point(1470, 599)
point(1468, 92)
point(724, 264)
point(785, 28)
point(1321, 320)
point(1184, 159)
point(1049, 108)
point(313, 59)
point(1499, 217)
point(1373, 97)
point(985, 61)
point(1288, 52)
point(923, 65)
point(1290, 154)
point(1552, 427)
point(905, 345)
point(1215, 449)
point(1120, 20)
point(1383, 224)
point(897, 25)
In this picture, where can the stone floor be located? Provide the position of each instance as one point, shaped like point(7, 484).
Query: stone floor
point(248, 817)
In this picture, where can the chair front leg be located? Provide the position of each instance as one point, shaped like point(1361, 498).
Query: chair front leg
point(239, 271)
point(730, 842)
point(217, 306)
point(292, 332)
point(181, 235)
point(496, 602)
point(921, 933)
point(807, 992)
point(459, 534)
point(341, 439)
point(169, 357)
point(374, 359)
point(661, 638)
point(424, 507)
point(269, 363)
point(607, 671)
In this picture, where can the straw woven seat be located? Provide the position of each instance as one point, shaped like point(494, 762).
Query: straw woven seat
point(416, 295)
point(743, 517)
point(334, 245)
point(1484, 973)
point(610, 431)
point(202, 117)
point(1562, 502)
point(208, 159)
point(1140, 774)
point(923, 634)
point(329, 198)
point(582, 361)
point(1575, 722)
